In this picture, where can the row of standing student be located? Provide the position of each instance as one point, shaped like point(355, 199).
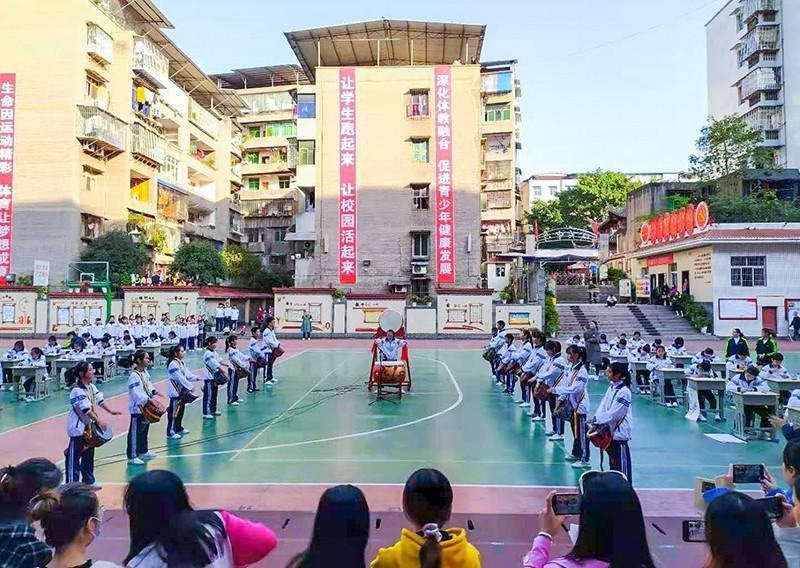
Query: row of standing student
point(189, 331)
point(542, 368)
point(86, 400)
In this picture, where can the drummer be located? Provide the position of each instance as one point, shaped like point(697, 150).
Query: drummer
point(390, 347)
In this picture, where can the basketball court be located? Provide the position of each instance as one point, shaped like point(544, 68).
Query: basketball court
point(316, 427)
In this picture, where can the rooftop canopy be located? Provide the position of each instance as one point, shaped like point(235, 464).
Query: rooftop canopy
point(386, 42)
point(267, 76)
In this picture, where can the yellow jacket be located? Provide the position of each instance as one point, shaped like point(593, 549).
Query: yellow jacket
point(456, 552)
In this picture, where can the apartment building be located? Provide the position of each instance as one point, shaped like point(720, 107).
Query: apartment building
point(279, 171)
point(502, 205)
point(116, 128)
point(753, 51)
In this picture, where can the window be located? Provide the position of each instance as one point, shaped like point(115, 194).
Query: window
point(537, 190)
point(305, 149)
point(255, 132)
point(279, 234)
point(283, 128)
point(420, 196)
point(91, 226)
point(418, 103)
point(420, 151)
point(500, 270)
point(306, 105)
point(252, 157)
point(420, 287)
point(252, 183)
point(89, 181)
point(278, 259)
point(553, 189)
point(499, 199)
point(748, 271)
point(495, 113)
point(254, 235)
point(484, 202)
point(420, 245)
point(284, 182)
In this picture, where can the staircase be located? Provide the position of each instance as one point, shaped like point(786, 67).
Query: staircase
point(574, 294)
point(652, 321)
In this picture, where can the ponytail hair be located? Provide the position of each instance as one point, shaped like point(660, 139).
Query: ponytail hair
point(173, 353)
point(64, 513)
point(622, 369)
point(229, 341)
point(580, 351)
point(428, 502)
point(21, 483)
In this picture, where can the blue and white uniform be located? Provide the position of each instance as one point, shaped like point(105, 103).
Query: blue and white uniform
point(390, 350)
point(179, 378)
point(79, 462)
point(242, 361)
point(140, 389)
point(771, 372)
point(212, 364)
point(573, 388)
point(616, 413)
point(737, 364)
point(551, 373)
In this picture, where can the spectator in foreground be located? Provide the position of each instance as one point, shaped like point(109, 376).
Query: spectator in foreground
point(72, 519)
point(791, 470)
point(740, 535)
point(427, 503)
point(611, 530)
point(19, 484)
point(166, 531)
point(341, 531)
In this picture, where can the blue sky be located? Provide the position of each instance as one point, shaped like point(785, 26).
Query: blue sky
point(611, 84)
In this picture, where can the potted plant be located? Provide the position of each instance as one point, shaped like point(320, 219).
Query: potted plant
point(41, 292)
point(415, 300)
point(426, 300)
point(338, 295)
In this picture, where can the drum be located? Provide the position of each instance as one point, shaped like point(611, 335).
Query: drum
point(390, 373)
point(187, 396)
point(490, 354)
point(241, 372)
point(390, 320)
point(153, 411)
point(94, 437)
point(277, 352)
point(220, 378)
point(564, 410)
point(600, 437)
point(541, 392)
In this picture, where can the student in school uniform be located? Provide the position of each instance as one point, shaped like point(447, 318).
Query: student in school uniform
point(775, 369)
point(140, 391)
point(703, 370)
point(152, 340)
point(656, 363)
point(738, 363)
point(575, 340)
point(736, 343)
point(212, 364)
point(616, 414)
point(52, 347)
point(84, 400)
point(490, 346)
point(84, 328)
point(573, 388)
point(193, 332)
point(749, 381)
point(180, 380)
point(529, 369)
point(202, 322)
point(36, 358)
point(258, 359)
point(182, 333)
point(111, 328)
point(636, 342)
point(639, 355)
point(219, 317)
point(551, 374)
point(138, 331)
point(68, 341)
point(677, 347)
point(706, 354)
point(16, 353)
point(506, 359)
point(123, 326)
point(270, 344)
point(619, 349)
point(234, 319)
point(238, 360)
point(618, 338)
point(227, 314)
point(102, 349)
point(605, 349)
point(497, 342)
point(98, 330)
point(126, 361)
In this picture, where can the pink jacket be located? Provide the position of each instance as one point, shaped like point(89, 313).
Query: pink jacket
point(250, 542)
point(539, 557)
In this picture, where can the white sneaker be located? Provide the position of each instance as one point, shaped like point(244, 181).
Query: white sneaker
point(149, 456)
point(524, 404)
point(175, 436)
point(236, 403)
point(136, 461)
point(556, 438)
point(570, 458)
point(184, 432)
point(532, 413)
point(581, 465)
point(517, 401)
point(270, 383)
point(550, 433)
point(217, 413)
point(717, 417)
point(208, 417)
point(29, 398)
point(537, 419)
point(701, 418)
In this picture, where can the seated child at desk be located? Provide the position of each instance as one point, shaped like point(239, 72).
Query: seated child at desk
point(152, 341)
point(703, 370)
point(35, 359)
point(128, 344)
point(576, 340)
point(775, 369)
point(103, 349)
point(52, 347)
point(617, 339)
point(749, 381)
point(636, 341)
point(677, 347)
point(17, 353)
point(68, 343)
point(640, 355)
point(619, 349)
point(737, 364)
point(657, 362)
point(706, 354)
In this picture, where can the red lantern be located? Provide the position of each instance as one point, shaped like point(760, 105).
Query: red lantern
point(644, 232)
point(690, 219)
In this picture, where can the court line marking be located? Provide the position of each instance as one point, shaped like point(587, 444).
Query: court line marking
point(450, 408)
point(284, 413)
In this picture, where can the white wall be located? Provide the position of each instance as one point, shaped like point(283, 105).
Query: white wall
point(790, 13)
point(782, 283)
point(723, 70)
point(497, 283)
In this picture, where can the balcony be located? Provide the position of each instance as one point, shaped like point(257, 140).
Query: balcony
point(101, 133)
point(497, 127)
point(757, 40)
point(304, 227)
point(752, 8)
point(774, 138)
point(148, 145)
point(765, 118)
point(99, 45)
point(199, 230)
point(759, 80)
point(149, 63)
point(172, 205)
point(281, 207)
point(203, 119)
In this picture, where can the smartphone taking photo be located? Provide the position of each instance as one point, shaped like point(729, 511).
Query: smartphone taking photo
point(773, 507)
point(566, 504)
point(748, 473)
point(694, 530)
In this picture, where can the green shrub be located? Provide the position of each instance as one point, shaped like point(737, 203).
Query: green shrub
point(552, 325)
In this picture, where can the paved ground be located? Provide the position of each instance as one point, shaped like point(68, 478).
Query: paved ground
point(273, 456)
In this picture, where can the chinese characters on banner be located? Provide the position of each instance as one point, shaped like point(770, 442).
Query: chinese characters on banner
point(348, 238)
point(445, 233)
point(8, 104)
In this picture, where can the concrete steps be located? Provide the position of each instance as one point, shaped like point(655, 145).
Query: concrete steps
point(652, 321)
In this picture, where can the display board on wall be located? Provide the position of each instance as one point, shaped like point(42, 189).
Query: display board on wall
point(737, 308)
point(792, 307)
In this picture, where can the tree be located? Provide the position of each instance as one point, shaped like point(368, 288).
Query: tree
point(591, 199)
point(198, 262)
point(247, 271)
point(759, 207)
point(728, 146)
point(124, 256)
point(546, 215)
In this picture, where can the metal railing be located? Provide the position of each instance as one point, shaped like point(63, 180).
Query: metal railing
point(172, 205)
point(750, 8)
point(148, 59)
point(101, 126)
point(767, 118)
point(204, 120)
point(759, 39)
point(99, 44)
point(269, 207)
point(760, 80)
point(148, 144)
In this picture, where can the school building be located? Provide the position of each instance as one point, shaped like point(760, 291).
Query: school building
point(115, 128)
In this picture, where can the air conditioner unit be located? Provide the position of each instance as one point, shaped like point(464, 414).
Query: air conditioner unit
point(419, 269)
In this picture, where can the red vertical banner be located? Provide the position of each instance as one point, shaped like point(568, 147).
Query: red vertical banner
point(8, 105)
point(445, 224)
point(348, 203)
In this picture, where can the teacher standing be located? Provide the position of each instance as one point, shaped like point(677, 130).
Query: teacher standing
point(591, 338)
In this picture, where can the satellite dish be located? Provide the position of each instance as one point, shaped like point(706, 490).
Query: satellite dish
point(390, 321)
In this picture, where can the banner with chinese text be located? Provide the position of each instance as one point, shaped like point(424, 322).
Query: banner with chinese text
point(445, 226)
point(348, 236)
point(8, 105)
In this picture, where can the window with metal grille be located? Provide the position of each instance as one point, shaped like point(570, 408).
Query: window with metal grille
point(252, 183)
point(499, 199)
point(420, 196)
point(496, 113)
point(420, 150)
point(417, 105)
point(420, 245)
point(748, 271)
point(306, 152)
point(500, 270)
point(420, 287)
point(284, 182)
point(279, 233)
